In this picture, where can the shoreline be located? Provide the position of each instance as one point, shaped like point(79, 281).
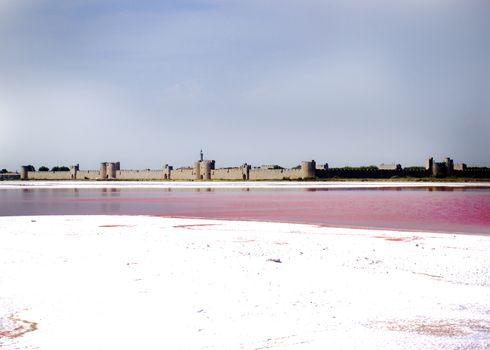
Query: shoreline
point(151, 282)
point(238, 184)
point(265, 221)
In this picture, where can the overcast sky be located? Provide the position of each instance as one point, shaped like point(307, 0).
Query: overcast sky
point(348, 82)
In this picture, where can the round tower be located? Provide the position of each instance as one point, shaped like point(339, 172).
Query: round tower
point(429, 162)
point(245, 171)
point(308, 169)
point(24, 172)
point(449, 165)
point(103, 170)
point(167, 171)
point(73, 171)
point(111, 170)
point(197, 170)
point(206, 166)
point(438, 169)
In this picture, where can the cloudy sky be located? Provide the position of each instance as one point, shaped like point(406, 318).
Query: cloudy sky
point(349, 82)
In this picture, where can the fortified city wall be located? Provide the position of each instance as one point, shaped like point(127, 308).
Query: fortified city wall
point(86, 175)
point(275, 174)
point(205, 170)
point(230, 174)
point(50, 175)
point(182, 174)
point(140, 175)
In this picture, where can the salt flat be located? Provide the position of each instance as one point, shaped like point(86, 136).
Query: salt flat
point(136, 282)
point(234, 184)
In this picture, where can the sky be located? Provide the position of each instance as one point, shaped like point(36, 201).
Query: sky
point(148, 83)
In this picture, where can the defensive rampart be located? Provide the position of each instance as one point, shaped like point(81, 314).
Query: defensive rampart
point(50, 175)
point(87, 175)
point(228, 174)
point(183, 174)
point(140, 175)
point(276, 174)
point(205, 170)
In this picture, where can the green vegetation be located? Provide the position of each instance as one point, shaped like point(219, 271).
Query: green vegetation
point(369, 167)
point(60, 168)
point(478, 168)
point(43, 168)
point(3, 171)
point(414, 168)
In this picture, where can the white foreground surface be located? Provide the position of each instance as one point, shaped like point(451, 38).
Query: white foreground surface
point(233, 184)
point(154, 283)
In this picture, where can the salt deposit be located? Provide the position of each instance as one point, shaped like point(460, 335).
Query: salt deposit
point(129, 282)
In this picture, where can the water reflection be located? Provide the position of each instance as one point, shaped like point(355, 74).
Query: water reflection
point(394, 188)
point(423, 208)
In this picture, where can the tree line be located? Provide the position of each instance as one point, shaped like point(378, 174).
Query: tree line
point(45, 168)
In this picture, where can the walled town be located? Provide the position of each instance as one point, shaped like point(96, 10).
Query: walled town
point(205, 170)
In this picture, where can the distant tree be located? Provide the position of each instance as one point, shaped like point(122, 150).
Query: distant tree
point(478, 168)
point(370, 167)
point(414, 168)
point(296, 167)
point(43, 168)
point(3, 171)
point(31, 168)
point(60, 168)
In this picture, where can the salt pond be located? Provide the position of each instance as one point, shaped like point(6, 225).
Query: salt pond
point(454, 208)
point(157, 282)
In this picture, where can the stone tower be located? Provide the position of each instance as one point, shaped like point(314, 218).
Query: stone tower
point(308, 169)
point(24, 172)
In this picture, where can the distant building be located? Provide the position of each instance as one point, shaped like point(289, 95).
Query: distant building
point(439, 169)
point(322, 166)
point(9, 176)
point(460, 166)
point(391, 166)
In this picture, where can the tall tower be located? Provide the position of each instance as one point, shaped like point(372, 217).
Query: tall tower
point(202, 156)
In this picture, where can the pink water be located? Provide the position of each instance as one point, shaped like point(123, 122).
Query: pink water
point(428, 209)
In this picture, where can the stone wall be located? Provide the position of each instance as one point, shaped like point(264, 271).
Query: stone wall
point(88, 174)
point(275, 174)
point(183, 174)
point(49, 175)
point(205, 170)
point(228, 174)
point(141, 175)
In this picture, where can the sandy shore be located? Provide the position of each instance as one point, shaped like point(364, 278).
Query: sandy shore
point(129, 282)
point(235, 184)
